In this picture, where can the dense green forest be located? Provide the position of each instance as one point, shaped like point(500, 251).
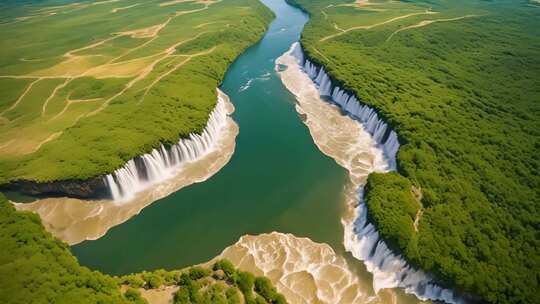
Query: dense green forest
point(74, 77)
point(460, 83)
point(38, 268)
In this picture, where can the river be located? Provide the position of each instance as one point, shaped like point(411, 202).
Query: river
point(277, 179)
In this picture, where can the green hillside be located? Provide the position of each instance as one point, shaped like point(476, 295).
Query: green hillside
point(86, 86)
point(460, 82)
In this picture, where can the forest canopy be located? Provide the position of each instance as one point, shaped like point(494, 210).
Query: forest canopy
point(460, 83)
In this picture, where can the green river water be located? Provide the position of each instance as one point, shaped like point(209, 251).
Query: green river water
point(277, 179)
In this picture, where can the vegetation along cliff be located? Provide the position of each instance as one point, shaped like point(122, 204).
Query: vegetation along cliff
point(459, 81)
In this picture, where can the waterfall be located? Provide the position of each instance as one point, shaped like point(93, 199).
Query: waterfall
point(389, 270)
point(369, 118)
point(361, 237)
point(162, 163)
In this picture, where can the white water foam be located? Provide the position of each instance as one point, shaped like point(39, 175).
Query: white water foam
point(245, 86)
point(304, 271)
point(361, 237)
point(162, 163)
point(264, 77)
point(74, 220)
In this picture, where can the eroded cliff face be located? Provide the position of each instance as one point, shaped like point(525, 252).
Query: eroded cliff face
point(145, 170)
point(89, 188)
point(74, 220)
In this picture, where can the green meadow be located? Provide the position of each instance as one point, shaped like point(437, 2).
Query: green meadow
point(86, 86)
point(460, 82)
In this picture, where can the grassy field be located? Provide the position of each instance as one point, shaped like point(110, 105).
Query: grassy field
point(460, 82)
point(37, 268)
point(86, 86)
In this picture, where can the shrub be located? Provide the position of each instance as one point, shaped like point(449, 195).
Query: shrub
point(264, 287)
point(133, 280)
point(233, 296)
point(226, 266)
point(245, 282)
point(197, 272)
point(152, 280)
point(181, 296)
point(134, 296)
point(260, 300)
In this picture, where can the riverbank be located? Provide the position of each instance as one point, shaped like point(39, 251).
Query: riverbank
point(361, 143)
point(75, 220)
point(277, 180)
point(305, 272)
point(42, 268)
point(467, 124)
point(123, 89)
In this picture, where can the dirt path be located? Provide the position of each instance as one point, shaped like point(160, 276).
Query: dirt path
point(338, 28)
point(46, 140)
point(2, 146)
point(116, 10)
point(70, 102)
point(417, 218)
point(145, 73)
point(366, 5)
point(148, 32)
point(418, 195)
point(324, 14)
point(322, 55)
point(13, 106)
point(173, 2)
point(69, 54)
point(367, 27)
point(58, 87)
point(427, 22)
point(162, 295)
point(139, 72)
point(205, 24)
point(169, 53)
point(53, 10)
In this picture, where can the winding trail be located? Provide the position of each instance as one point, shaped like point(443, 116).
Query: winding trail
point(28, 88)
point(425, 23)
point(370, 26)
point(417, 218)
point(173, 69)
point(70, 102)
point(56, 89)
point(46, 140)
point(112, 68)
point(118, 9)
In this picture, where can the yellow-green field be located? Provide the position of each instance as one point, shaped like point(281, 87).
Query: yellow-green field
point(86, 86)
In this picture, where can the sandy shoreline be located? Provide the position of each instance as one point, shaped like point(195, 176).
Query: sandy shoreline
point(336, 135)
point(339, 137)
point(75, 220)
point(305, 272)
